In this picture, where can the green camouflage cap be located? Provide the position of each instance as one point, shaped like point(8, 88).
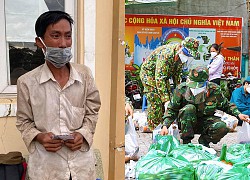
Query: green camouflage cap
point(191, 44)
point(197, 77)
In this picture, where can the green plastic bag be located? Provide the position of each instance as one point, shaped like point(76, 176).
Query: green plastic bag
point(239, 155)
point(211, 170)
point(191, 153)
point(236, 173)
point(239, 149)
point(165, 143)
point(156, 165)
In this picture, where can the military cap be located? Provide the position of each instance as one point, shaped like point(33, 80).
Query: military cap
point(190, 46)
point(198, 76)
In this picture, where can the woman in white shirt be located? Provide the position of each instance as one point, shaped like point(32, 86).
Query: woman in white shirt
point(216, 64)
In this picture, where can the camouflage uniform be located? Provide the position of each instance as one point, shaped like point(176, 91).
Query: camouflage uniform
point(156, 70)
point(195, 114)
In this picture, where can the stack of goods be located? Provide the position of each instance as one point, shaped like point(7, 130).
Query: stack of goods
point(168, 159)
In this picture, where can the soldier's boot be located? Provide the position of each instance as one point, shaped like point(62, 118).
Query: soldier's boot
point(203, 141)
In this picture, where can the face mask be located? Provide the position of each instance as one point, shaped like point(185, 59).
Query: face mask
point(248, 90)
point(183, 58)
point(57, 56)
point(196, 91)
point(213, 54)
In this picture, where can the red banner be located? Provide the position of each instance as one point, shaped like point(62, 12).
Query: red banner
point(144, 33)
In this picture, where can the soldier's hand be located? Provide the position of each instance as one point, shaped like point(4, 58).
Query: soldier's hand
point(244, 117)
point(129, 110)
point(164, 131)
point(166, 105)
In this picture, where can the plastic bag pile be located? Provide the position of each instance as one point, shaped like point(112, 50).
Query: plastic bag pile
point(168, 159)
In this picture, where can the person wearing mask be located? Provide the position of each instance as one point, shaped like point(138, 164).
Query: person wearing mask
point(216, 64)
point(57, 106)
point(241, 98)
point(160, 66)
point(193, 105)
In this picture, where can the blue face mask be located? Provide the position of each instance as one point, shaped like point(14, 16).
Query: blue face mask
point(57, 56)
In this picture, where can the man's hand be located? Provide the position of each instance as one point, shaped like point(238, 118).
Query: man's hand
point(164, 131)
point(244, 117)
point(76, 143)
point(166, 105)
point(51, 145)
point(129, 110)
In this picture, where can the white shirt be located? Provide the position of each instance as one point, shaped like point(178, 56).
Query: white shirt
point(216, 67)
point(42, 106)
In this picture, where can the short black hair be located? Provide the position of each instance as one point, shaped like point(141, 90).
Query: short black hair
point(248, 82)
point(50, 17)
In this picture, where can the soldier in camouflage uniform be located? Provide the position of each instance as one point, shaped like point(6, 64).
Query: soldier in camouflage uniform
point(161, 65)
point(193, 105)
